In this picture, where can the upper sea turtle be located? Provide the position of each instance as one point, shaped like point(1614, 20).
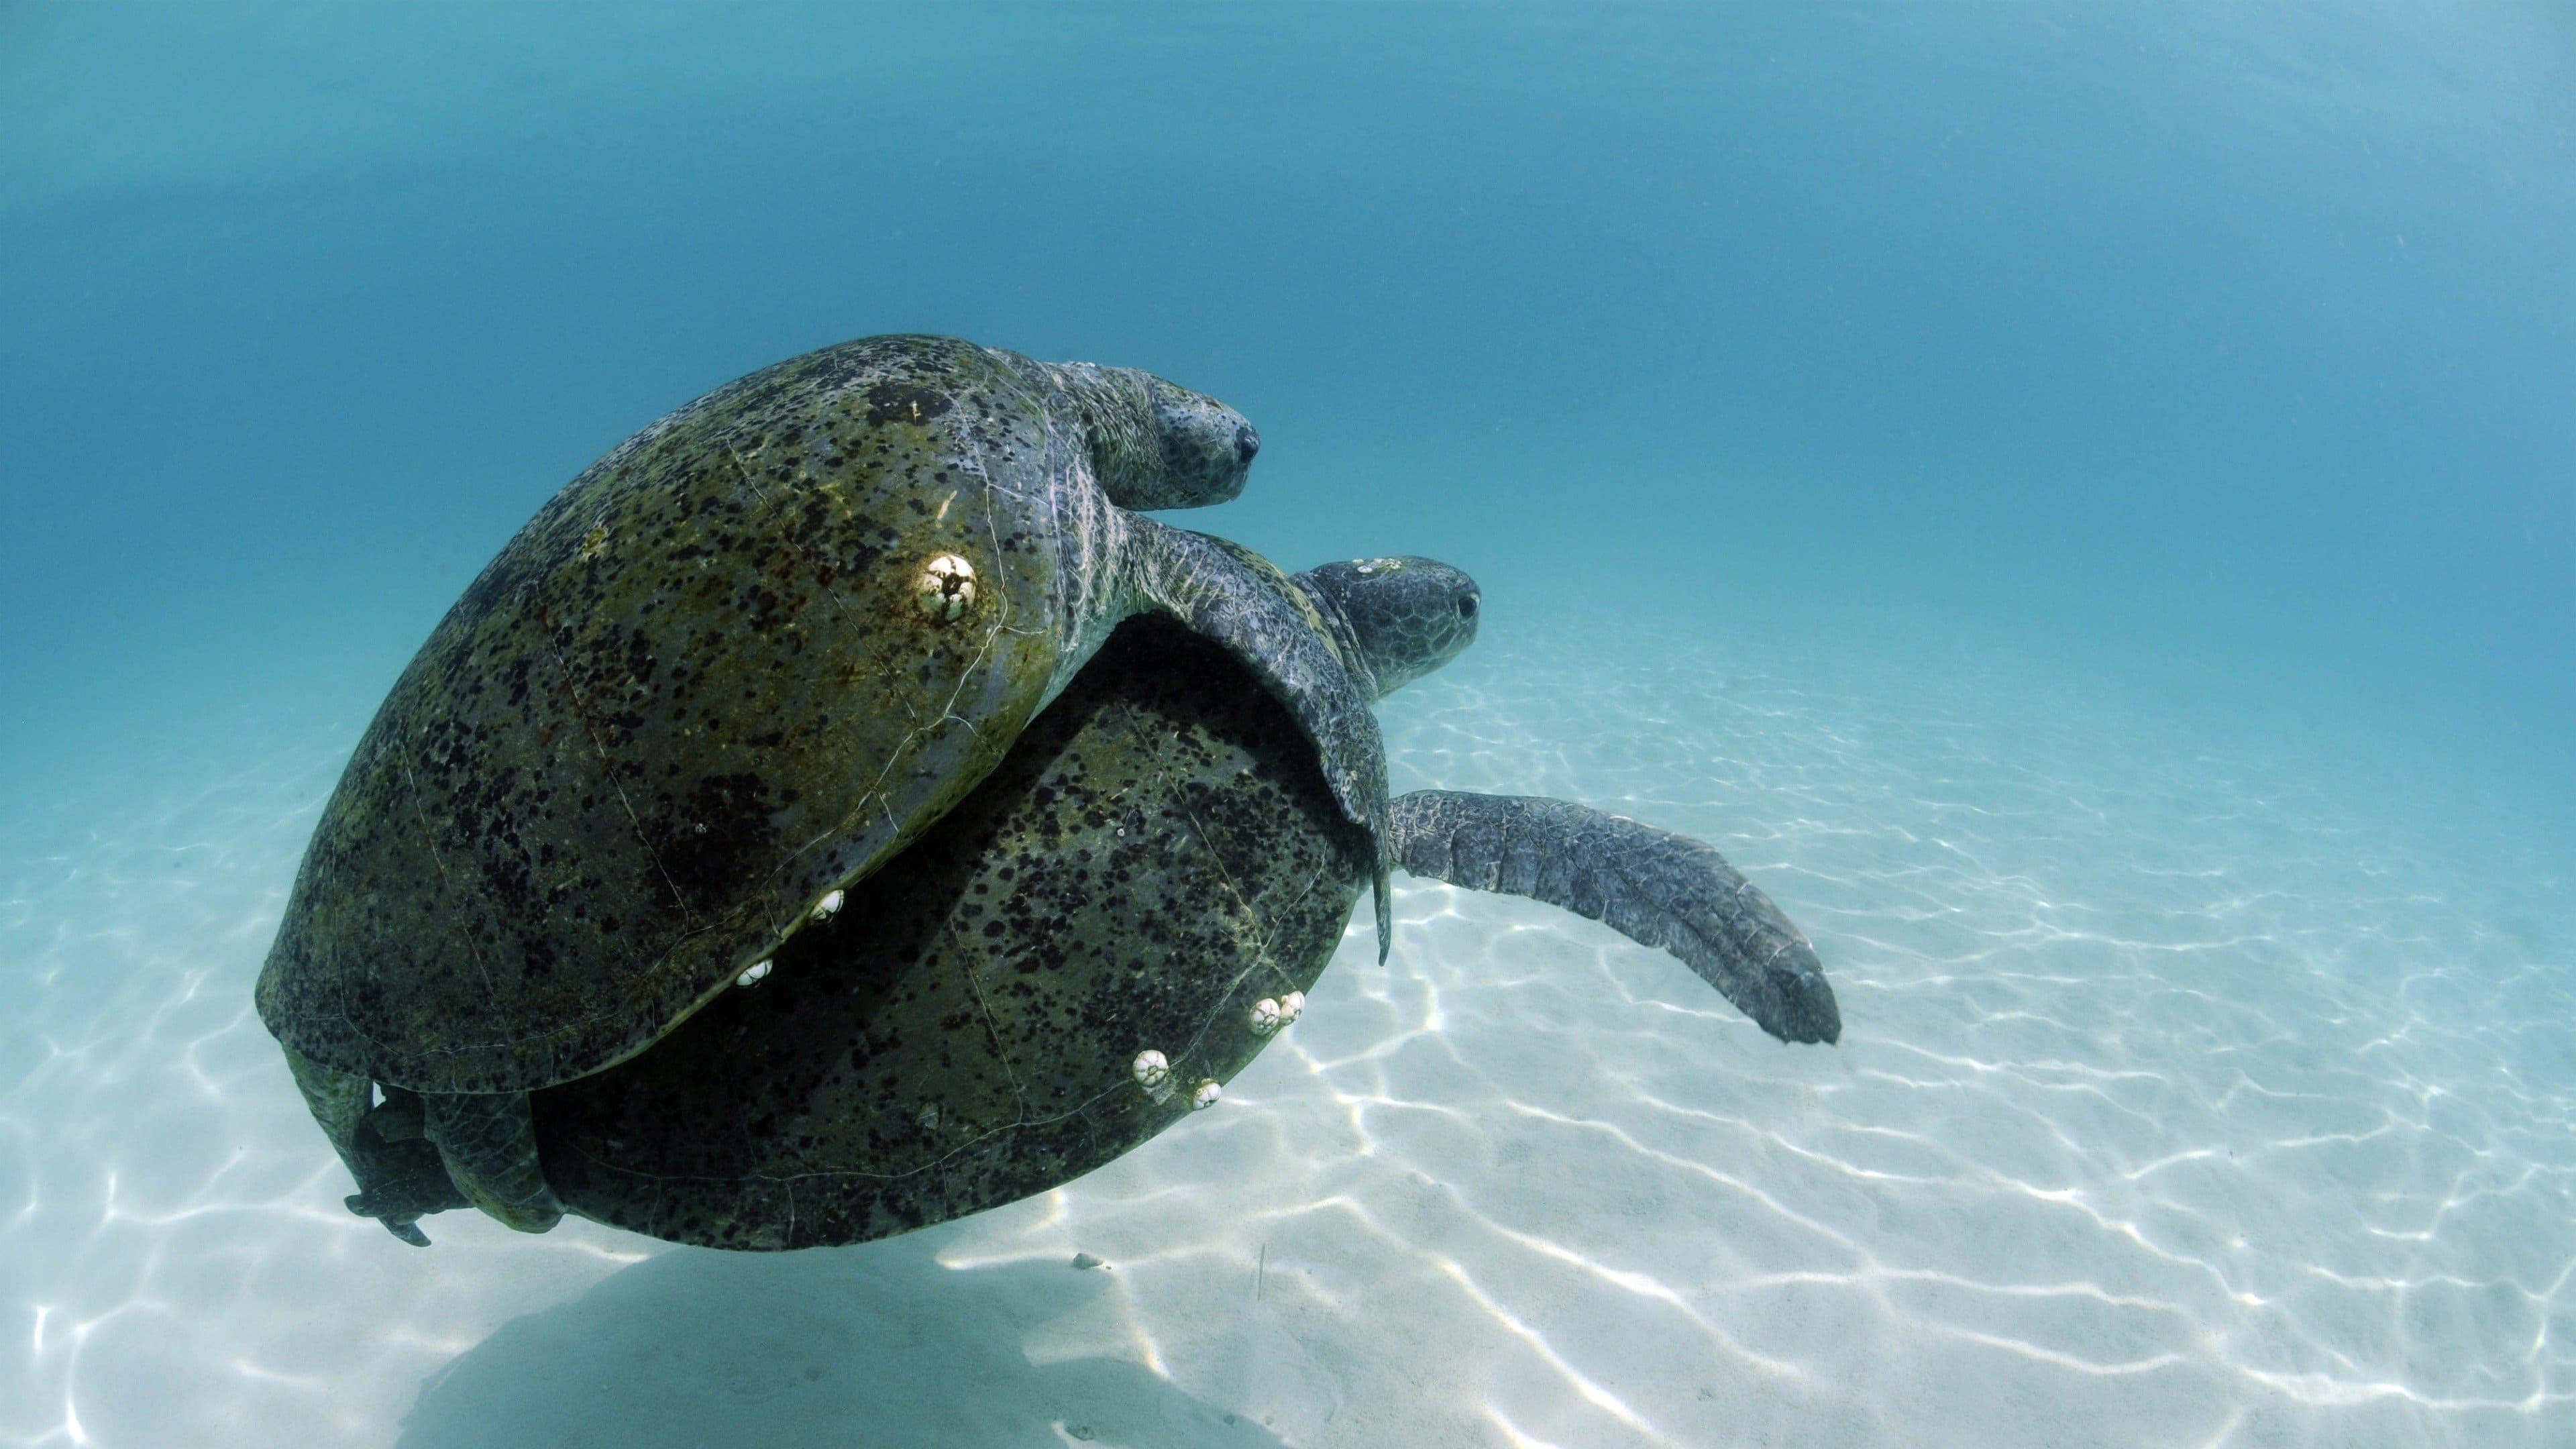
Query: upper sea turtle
point(727, 672)
point(1087, 947)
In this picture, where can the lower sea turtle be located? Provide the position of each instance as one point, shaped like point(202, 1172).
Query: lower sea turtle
point(727, 672)
point(1085, 949)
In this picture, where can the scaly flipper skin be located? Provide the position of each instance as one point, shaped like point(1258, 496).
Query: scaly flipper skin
point(490, 1147)
point(1653, 886)
point(1236, 598)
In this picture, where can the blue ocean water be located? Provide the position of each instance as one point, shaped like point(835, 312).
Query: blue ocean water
point(2078, 501)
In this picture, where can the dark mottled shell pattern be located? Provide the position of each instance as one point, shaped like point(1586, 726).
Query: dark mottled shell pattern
point(696, 692)
point(1158, 852)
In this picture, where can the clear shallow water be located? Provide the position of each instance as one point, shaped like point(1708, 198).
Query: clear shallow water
point(2074, 505)
point(2182, 1103)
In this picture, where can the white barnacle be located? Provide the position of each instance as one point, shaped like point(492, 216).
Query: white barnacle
point(1266, 1017)
point(1206, 1095)
point(1291, 1007)
point(753, 974)
point(1152, 1069)
point(826, 908)
point(946, 587)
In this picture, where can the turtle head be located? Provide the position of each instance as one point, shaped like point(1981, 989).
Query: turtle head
point(1156, 444)
point(1394, 620)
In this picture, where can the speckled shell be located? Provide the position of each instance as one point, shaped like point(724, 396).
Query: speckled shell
point(694, 693)
point(1158, 852)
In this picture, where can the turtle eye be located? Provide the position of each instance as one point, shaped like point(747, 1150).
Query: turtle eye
point(1467, 607)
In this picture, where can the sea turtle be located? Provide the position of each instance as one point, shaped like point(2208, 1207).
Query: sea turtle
point(1085, 949)
point(731, 669)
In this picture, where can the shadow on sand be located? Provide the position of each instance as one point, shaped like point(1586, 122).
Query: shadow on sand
point(877, 1345)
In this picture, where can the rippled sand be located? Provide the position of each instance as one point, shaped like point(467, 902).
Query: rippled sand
point(2189, 1096)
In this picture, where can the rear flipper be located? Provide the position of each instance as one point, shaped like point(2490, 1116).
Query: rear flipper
point(405, 1180)
point(1653, 886)
point(489, 1143)
point(339, 1101)
point(397, 1181)
point(427, 1153)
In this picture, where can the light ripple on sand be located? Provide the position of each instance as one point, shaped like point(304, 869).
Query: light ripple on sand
point(2187, 1098)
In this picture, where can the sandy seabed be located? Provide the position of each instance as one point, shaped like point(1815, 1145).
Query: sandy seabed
point(2188, 1097)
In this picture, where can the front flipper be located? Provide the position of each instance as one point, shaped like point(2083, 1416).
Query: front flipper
point(489, 1143)
point(1240, 600)
point(1653, 886)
